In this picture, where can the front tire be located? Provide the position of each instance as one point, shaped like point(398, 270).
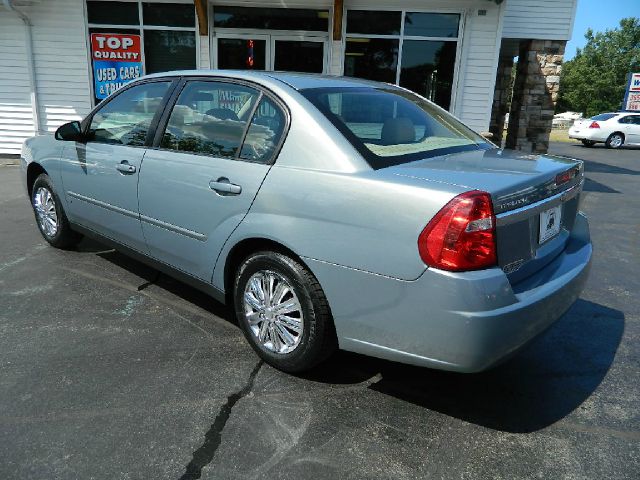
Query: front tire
point(283, 312)
point(588, 143)
point(615, 140)
point(50, 217)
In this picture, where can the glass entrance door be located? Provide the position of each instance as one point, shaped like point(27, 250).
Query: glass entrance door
point(244, 52)
point(271, 52)
point(298, 54)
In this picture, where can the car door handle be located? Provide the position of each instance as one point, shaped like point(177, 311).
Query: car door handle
point(126, 168)
point(224, 187)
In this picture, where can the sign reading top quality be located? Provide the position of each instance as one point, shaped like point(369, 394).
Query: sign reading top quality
point(116, 61)
point(632, 96)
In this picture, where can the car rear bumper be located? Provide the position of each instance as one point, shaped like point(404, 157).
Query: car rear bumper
point(593, 134)
point(464, 322)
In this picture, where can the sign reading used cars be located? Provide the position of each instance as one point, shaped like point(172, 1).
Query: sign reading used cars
point(632, 96)
point(116, 61)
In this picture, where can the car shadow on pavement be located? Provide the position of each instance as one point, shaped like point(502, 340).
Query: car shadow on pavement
point(542, 384)
point(591, 166)
point(151, 276)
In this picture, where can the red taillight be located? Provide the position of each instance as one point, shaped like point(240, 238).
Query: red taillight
point(594, 125)
point(462, 236)
point(564, 177)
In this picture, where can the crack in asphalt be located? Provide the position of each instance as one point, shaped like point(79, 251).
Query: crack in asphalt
point(212, 439)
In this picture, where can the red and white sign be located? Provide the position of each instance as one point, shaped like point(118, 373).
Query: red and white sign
point(115, 47)
point(116, 61)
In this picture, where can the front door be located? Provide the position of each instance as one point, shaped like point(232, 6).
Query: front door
point(198, 185)
point(287, 53)
point(100, 177)
point(298, 54)
point(243, 52)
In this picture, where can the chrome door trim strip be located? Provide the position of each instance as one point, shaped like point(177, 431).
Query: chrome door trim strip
point(174, 228)
point(104, 205)
point(518, 214)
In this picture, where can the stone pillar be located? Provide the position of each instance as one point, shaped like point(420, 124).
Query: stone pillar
point(501, 97)
point(535, 94)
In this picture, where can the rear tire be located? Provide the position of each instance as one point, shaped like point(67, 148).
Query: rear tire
point(615, 140)
point(50, 217)
point(283, 312)
point(588, 143)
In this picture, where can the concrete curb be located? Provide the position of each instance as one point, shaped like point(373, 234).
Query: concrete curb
point(9, 160)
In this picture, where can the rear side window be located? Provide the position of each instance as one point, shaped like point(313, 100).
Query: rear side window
point(603, 117)
point(125, 120)
point(264, 134)
point(392, 126)
point(210, 118)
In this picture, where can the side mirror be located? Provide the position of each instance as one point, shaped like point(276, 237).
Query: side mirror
point(487, 135)
point(70, 132)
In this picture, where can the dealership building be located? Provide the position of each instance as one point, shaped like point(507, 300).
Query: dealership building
point(59, 58)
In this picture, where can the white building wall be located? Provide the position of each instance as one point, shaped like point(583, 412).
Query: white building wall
point(477, 77)
point(16, 118)
point(62, 71)
point(204, 60)
point(539, 20)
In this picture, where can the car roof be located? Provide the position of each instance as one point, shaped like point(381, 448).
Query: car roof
point(297, 81)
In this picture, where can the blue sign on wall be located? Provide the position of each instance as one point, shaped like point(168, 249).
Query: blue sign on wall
point(109, 76)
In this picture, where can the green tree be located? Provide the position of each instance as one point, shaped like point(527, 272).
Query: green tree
point(594, 81)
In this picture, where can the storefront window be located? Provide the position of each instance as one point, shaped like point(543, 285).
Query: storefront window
point(169, 14)
point(431, 24)
point(113, 13)
point(138, 38)
point(167, 50)
point(374, 22)
point(416, 50)
point(271, 18)
point(372, 58)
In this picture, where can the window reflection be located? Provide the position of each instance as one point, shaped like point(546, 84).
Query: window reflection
point(267, 127)
point(427, 68)
point(209, 118)
point(372, 58)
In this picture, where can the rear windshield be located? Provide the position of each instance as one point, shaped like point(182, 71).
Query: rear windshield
point(390, 126)
point(604, 116)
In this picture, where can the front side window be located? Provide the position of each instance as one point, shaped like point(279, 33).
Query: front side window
point(392, 126)
point(126, 119)
point(209, 118)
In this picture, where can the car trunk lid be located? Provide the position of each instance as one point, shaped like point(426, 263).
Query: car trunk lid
point(535, 199)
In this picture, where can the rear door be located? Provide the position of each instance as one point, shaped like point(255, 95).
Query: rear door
point(632, 131)
point(217, 145)
point(100, 176)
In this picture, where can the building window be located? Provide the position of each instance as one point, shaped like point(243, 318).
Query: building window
point(271, 18)
point(166, 33)
point(416, 50)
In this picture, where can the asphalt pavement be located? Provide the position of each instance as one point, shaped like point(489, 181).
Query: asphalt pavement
point(108, 371)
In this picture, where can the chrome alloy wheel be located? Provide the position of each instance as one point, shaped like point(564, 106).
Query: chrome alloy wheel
point(273, 312)
point(45, 208)
point(616, 141)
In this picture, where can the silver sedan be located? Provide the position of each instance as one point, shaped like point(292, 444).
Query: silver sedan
point(331, 212)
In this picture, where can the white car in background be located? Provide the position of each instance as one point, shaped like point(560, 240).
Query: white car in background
point(614, 129)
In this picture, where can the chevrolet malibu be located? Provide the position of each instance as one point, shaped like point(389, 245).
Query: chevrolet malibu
point(330, 212)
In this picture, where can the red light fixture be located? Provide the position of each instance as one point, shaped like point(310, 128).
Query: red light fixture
point(594, 125)
point(462, 235)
